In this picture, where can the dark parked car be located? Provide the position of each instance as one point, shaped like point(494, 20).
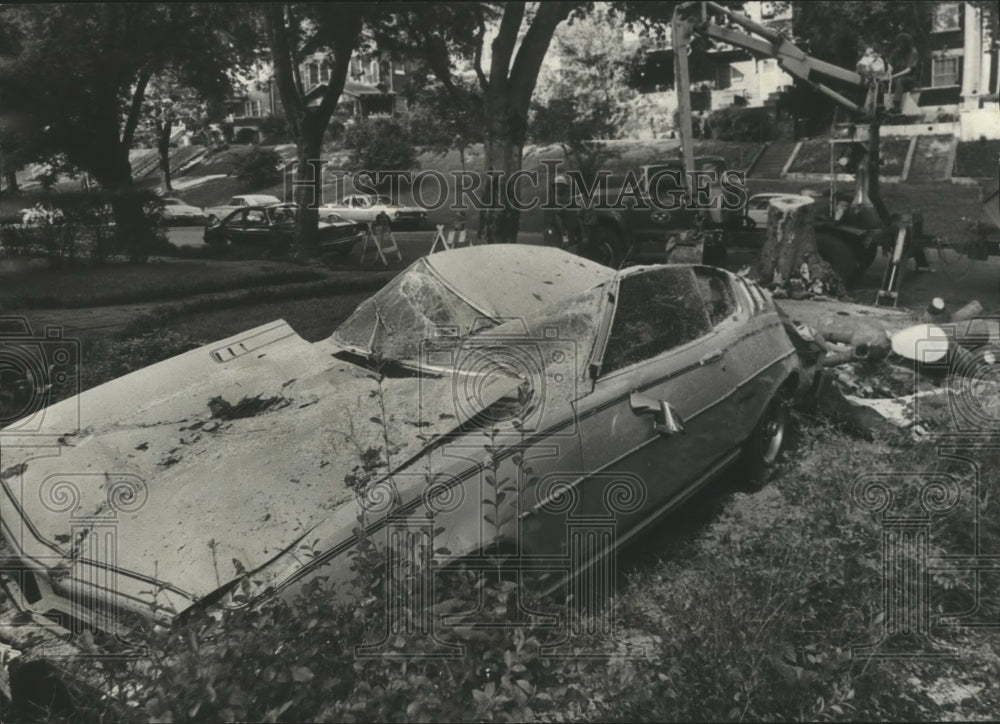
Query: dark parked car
point(626, 390)
point(273, 228)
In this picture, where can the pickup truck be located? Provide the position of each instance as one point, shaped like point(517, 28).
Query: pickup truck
point(635, 228)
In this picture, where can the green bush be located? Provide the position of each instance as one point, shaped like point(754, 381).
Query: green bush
point(259, 167)
point(379, 144)
point(739, 123)
point(274, 129)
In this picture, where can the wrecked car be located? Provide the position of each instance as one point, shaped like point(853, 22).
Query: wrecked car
point(244, 465)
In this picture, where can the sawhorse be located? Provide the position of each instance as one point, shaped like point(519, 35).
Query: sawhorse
point(451, 240)
point(376, 236)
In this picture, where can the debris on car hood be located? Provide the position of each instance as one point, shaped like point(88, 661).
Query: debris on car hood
point(238, 448)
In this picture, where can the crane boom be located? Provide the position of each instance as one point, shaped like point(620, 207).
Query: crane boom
point(772, 44)
point(698, 18)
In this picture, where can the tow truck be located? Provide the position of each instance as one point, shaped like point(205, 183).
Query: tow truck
point(849, 233)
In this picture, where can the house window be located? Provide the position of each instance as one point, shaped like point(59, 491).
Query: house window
point(324, 72)
point(313, 73)
point(947, 17)
point(251, 109)
point(944, 72)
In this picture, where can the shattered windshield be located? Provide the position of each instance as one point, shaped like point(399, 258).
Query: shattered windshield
point(414, 307)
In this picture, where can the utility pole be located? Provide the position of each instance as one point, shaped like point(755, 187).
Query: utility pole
point(682, 84)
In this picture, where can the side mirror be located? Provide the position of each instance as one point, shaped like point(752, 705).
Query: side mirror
point(666, 420)
point(669, 422)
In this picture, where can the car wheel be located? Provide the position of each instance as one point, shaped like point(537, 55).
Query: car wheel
point(838, 255)
point(768, 440)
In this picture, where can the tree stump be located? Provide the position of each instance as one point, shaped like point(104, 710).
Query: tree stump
point(789, 261)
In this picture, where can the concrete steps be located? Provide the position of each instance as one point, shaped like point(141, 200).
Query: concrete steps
point(773, 160)
point(933, 158)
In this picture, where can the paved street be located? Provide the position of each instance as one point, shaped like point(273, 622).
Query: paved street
point(411, 243)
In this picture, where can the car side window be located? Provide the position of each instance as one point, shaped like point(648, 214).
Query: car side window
point(717, 294)
point(256, 217)
point(657, 311)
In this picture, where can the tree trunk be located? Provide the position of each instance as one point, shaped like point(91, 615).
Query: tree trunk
point(133, 232)
point(163, 148)
point(308, 190)
point(790, 244)
point(504, 147)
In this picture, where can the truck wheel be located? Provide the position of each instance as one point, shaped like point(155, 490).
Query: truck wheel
point(606, 247)
point(867, 258)
point(838, 255)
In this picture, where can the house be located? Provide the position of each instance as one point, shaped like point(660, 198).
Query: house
point(722, 77)
point(958, 92)
point(959, 83)
point(374, 86)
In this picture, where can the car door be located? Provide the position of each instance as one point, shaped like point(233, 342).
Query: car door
point(761, 347)
point(234, 227)
point(661, 348)
point(256, 227)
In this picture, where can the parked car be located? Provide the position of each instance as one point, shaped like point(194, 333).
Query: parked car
point(231, 471)
point(176, 211)
point(756, 211)
point(365, 207)
point(217, 213)
point(272, 228)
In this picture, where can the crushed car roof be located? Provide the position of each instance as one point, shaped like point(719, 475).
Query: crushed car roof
point(468, 290)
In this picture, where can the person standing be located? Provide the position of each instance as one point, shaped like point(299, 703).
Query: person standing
point(905, 65)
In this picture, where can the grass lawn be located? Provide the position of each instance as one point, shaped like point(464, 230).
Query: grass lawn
point(313, 319)
point(814, 156)
point(977, 159)
point(943, 204)
point(85, 286)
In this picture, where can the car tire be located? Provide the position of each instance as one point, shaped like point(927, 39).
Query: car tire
point(769, 440)
point(838, 255)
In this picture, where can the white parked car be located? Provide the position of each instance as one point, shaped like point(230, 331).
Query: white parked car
point(365, 207)
point(756, 212)
point(217, 213)
point(177, 211)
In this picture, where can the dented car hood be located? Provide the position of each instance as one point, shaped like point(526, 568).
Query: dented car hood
point(186, 474)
